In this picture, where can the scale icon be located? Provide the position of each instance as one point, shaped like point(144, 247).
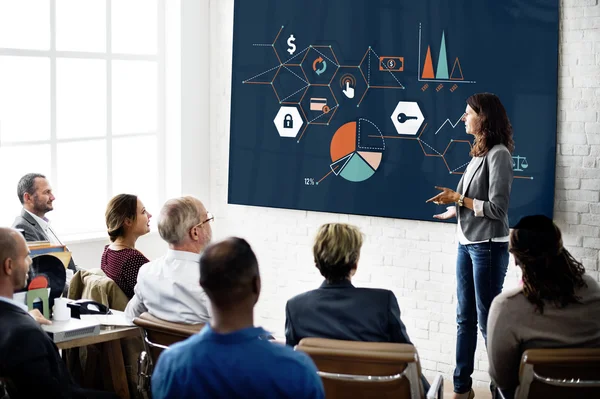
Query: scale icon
point(520, 163)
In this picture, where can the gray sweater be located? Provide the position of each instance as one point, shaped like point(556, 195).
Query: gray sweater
point(514, 327)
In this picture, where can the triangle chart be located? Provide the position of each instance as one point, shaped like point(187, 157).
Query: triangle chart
point(428, 67)
point(459, 73)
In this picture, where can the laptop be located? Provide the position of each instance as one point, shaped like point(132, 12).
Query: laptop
point(60, 331)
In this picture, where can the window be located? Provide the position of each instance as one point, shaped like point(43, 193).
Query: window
point(81, 84)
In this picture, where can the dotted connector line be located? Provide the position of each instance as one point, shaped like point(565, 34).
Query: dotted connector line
point(386, 68)
point(296, 92)
point(327, 58)
point(434, 150)
point(294, 73)
point(334, 107)
point(296, 55)
point(461, 166)
point(262, 73)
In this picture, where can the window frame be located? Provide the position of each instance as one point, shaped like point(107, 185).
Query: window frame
point(108, 56)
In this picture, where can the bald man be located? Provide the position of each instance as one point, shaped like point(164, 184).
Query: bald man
point(28, 357)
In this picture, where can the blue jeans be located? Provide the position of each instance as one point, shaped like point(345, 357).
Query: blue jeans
point(480, 272)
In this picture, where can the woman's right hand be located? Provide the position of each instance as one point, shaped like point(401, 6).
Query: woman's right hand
point(449, 214)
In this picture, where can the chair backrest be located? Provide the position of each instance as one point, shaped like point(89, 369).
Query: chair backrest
point(560, 373)
point(159, 334)
point(365, 369)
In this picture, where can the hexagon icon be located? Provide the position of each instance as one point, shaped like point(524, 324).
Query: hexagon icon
point(288, 121)
point(407, 117)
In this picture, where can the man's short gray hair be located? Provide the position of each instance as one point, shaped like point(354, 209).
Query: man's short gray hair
point(27, 185)
point(177, 217)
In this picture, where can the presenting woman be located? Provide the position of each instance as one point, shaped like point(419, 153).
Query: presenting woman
point(481, 209)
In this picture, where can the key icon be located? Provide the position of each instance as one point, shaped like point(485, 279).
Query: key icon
point(403, 118)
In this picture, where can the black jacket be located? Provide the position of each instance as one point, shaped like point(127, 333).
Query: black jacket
point(29, 359)
point(342, 311)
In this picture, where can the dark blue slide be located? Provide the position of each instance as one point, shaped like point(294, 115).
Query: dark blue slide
point(354, 106)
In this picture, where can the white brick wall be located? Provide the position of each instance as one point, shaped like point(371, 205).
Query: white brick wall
point(415, 259)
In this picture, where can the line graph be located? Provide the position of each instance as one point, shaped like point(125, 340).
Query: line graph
point(450, 122)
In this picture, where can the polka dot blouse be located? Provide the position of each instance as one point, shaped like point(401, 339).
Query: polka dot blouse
point(122, 267)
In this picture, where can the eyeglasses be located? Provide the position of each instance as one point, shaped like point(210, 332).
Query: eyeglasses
point(209, 218)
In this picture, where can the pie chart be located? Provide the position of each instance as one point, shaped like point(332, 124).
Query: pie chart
point(350, 160)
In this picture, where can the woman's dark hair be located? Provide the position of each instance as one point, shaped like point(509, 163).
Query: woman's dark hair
point(494, 125)
point(120, 208)
point(550, 273)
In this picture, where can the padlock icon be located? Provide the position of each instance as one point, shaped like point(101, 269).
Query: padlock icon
point(288, 122)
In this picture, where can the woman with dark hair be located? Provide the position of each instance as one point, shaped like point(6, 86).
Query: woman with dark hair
point(481, 208)
point(126, 220)
point(558, 305)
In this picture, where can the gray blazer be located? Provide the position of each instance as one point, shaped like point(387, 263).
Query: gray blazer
point(490, 181)
point(32, 231)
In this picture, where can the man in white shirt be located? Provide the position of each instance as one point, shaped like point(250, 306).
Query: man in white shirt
point(168, 287)
point(36, 196)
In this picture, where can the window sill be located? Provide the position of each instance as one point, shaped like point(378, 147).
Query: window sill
point(83, 238)
point(96, 236)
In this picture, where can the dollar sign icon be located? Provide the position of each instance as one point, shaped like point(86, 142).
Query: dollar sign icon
point(290, 42)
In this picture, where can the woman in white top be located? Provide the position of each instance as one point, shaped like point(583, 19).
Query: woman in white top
point(482, 200)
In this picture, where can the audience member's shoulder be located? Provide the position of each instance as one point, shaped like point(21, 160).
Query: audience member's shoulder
point(148, 265)
point(139, 256)
point(19, 222)
point(293, 358)
point(179, 353)
point(26, 334)
point(26, 325)
point(376, 292)
point(591, 283)
point(301, 297)
point(511, 295)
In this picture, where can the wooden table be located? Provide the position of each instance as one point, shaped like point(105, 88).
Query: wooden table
point(107, 335)
point(110, 340)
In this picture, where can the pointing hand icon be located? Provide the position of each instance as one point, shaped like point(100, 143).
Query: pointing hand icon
point(348, 91)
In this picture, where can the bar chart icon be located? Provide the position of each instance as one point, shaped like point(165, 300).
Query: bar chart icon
point(427, 73)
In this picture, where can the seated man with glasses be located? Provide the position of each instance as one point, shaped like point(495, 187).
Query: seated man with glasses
point(168, 287)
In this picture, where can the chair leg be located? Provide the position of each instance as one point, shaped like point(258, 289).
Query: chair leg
point(144, 372)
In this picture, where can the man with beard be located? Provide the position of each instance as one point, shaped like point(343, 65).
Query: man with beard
point(36, 196)
point(29, 360)
point(30, 364)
